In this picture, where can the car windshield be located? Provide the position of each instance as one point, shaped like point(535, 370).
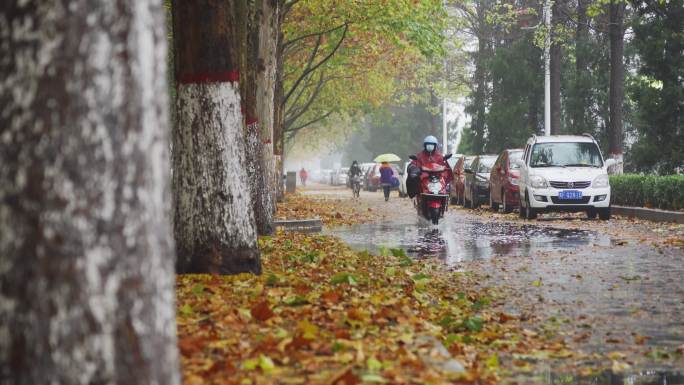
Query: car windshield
point(485, 164)
point(512, 157)
point(581, 154)
point(467, 162)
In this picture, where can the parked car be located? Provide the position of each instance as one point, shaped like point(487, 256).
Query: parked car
point(342, 176)
point(325, 176)
point(365, 167)
point(476, 185)
point(564, 173)
point(373, 177)
point(457, 182)
point(503, 181)
point(402, 180)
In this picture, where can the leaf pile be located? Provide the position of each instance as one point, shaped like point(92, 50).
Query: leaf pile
point(332, 211)
point(324, 314)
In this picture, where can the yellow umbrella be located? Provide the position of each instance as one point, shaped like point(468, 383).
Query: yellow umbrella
point(386, 158)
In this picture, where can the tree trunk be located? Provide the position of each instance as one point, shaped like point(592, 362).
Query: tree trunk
point(213, 220)
point(253, 65)
point(555, 68)
point(87, 293)
point(617, 33)
point(266, 83)
point(580, 104)
point(279, 100)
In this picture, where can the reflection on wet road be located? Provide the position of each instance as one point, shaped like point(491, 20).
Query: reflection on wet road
point(460, 238)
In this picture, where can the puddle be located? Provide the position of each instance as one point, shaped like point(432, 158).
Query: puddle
point(459, 239)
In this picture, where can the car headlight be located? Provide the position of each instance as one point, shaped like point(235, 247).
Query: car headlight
point(537, 181)
point(601, 181)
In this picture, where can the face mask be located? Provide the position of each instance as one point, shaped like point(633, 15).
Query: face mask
point(430, 147)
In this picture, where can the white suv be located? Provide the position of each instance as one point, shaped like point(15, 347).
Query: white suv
point(564, 173)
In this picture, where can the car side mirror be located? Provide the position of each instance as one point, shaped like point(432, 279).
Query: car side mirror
point(447, 156)
point(610, 162)
point(413, 157)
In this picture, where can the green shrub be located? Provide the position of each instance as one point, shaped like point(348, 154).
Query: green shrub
point(664, 192)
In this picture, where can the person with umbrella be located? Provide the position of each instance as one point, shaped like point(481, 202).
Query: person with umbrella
point(387, 178)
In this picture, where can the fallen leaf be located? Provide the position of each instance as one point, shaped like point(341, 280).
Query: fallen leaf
point(262, 311)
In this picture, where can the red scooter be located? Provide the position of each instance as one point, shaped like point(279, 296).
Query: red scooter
point(432, 199)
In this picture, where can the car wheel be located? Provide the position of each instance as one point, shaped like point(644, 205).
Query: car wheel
point(492, 205)
point(506, 207)
point(530, 212)
point(591, 213)
point(604, 214)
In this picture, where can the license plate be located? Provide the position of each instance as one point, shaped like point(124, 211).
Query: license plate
point(570, 195)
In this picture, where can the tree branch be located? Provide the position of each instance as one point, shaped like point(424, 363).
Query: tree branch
point(320, 63)
point(289, 119)
point(287, 43)
point(310, 122)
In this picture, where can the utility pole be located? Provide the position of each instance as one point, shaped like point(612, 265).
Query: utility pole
point(547, 68)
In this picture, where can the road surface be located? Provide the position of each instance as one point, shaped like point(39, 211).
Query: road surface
point(614, 287)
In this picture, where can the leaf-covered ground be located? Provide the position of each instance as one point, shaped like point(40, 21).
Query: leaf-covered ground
point(331, 209)
point(322, 313)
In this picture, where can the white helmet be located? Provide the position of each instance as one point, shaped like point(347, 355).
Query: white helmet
point(430, 143)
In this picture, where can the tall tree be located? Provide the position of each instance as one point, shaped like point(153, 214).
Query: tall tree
point(87, 294)
point(555, 65)
point(616, 32)
point(579, 100)
point(257, 64)
point(657, 91)
point(214, 219)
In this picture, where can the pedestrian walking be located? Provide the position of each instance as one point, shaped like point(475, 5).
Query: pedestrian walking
point(386, 179)
point(302, 176)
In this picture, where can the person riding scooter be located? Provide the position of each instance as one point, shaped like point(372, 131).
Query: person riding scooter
point(430, 154)
point(429, 179)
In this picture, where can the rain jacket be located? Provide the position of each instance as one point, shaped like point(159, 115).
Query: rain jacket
point(436, 157)
point(386, 174)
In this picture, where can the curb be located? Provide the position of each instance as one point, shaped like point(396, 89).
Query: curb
point(302, 225)
point(655, 215)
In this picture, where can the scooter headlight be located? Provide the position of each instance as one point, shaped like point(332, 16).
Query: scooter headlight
point(434, 187)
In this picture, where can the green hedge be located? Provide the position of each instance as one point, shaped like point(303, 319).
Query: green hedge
point(663, 192)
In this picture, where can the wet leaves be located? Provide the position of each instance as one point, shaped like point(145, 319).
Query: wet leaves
point(322, 313)
point(332, 211)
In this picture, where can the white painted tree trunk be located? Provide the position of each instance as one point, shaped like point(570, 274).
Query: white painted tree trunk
point(213, 219)
point(86, 256)
point(268, 38)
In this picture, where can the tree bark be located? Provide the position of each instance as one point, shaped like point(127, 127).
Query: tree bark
point(253, 66)
point(617, 33)
point(87, 280)
point(580, 104)
point(214, 221)
point(266, 100)
point(555, 68)
point(279, 99)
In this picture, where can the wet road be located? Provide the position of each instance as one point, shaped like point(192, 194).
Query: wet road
point(614, 286)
